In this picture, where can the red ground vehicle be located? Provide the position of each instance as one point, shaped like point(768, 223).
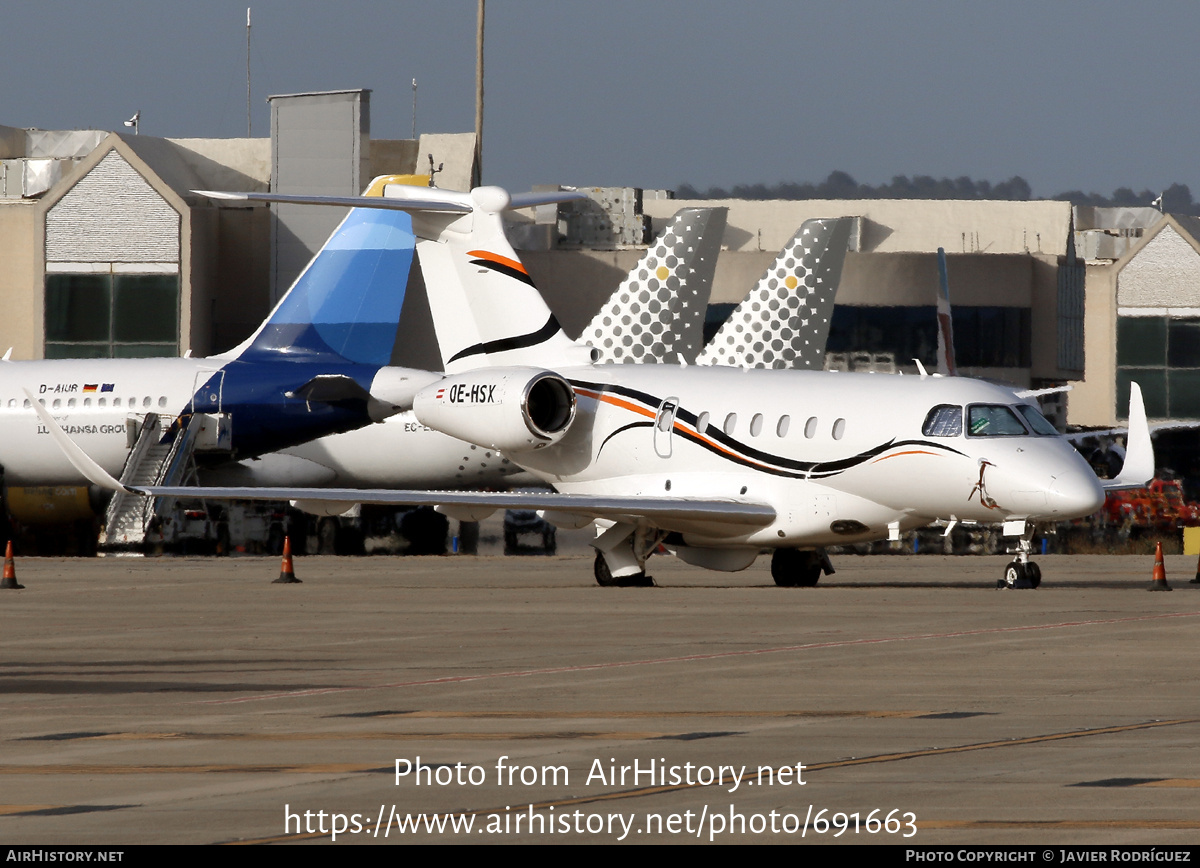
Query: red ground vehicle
point(1159, 506)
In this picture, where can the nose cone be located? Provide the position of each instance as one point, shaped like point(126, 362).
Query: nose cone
point(1075, 493)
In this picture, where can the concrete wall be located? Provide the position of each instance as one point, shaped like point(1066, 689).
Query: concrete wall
point(1092, 401)
point(241, 289)
point(455, 152)
point(242, 165)
point(894, 225)
point(21, 278)
point(576, 282)
point(12, 143)
point(393, 157)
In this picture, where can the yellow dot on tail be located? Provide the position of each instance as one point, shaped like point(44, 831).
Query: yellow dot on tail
point(662, 272)
point(791, 281)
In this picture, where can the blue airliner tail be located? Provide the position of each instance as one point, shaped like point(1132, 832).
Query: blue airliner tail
point(345, 306)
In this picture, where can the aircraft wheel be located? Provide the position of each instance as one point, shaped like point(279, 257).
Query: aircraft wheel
point(605, 578)
point(795, 569)
point(1013, 573)
point(1019, 576)
point(810, 575)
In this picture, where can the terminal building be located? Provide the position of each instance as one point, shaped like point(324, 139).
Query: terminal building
point(107, 251)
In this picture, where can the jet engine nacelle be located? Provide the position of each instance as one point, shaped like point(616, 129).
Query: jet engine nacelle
point(509, 409)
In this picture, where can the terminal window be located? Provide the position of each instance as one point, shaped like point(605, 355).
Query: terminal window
point(1162, 355)
point(112, 315)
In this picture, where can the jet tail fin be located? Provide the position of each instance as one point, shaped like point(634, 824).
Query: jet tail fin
point(485, 308)
point(784, 321)
point(345, 305)
point(657, 313)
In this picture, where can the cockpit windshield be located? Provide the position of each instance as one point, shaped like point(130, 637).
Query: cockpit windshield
point(993, 420)
point(1036, 420)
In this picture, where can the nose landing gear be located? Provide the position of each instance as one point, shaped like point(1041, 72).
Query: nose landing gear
point(1021, 573)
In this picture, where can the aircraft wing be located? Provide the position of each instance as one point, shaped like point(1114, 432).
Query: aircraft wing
point(661, 510)
point(668, 511)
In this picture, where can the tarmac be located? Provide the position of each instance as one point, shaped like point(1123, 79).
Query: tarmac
point(903, 701)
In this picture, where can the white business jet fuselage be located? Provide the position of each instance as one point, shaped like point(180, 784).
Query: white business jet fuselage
point(838, 456)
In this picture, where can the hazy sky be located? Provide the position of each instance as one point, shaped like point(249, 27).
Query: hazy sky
point(654, 93)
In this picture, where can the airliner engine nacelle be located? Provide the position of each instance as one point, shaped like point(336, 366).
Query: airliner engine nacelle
point(509, 409)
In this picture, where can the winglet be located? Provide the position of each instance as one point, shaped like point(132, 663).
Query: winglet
point(1138, 469)
point(79, 459)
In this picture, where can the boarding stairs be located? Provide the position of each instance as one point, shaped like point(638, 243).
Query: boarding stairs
point(154, 460)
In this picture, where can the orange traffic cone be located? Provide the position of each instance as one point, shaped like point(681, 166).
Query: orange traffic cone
point(287, 576)
point(1158, 579)
point(10, 570)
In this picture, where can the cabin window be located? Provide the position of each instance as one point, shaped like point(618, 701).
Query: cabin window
point(993, 420)
point(839, 429)
point(730, 423)
point(57, 403)
point(756, 425)
point(27, 405)
point(810, 427)
point(87, 402)
point(116, 402)
point(944, 420)
point(782, 428)
point(146, 401)
point(102, 402)
point(162, 401)
point(702, 421)
point(12, 403)
point(70, 402)
point(1035, 420)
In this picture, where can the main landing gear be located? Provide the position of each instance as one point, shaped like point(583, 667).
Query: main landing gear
point(605, 578)
point(793, 568)
point(1022, 573)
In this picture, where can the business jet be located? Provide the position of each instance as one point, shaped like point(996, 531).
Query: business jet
point(713, 463)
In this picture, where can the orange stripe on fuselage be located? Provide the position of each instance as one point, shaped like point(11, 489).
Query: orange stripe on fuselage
point(498, 259)
point(642, 411)
point(909, 452)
